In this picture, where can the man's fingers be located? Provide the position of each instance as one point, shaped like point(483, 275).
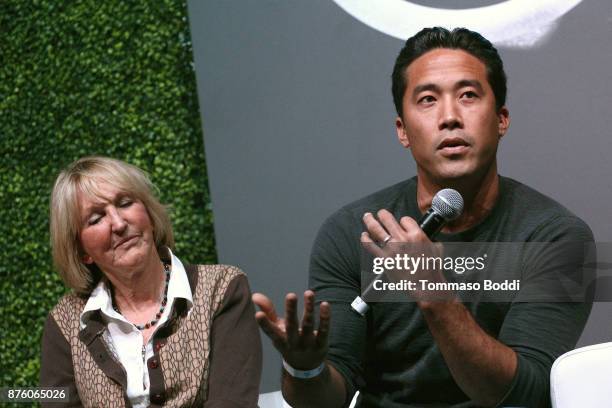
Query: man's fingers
point(324, 319)
point(269, 322)
point(308, 316)
point(391, 225)
point(413, 231)
point(371, 246)
point(272, 330)
point(266, 305)
point(376, 231)
point(286, 334)
point(408, 223)
point(291, 321)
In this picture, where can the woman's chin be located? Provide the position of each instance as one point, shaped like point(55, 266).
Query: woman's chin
point(130, 260)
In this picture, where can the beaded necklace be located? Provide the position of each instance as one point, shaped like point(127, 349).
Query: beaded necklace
point(164, 300)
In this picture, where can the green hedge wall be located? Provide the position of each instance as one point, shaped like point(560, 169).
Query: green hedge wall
point(78, 78)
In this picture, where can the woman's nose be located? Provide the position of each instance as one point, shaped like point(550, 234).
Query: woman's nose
point(118, 223)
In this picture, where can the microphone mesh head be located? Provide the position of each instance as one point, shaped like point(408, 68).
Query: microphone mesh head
point(448, 203)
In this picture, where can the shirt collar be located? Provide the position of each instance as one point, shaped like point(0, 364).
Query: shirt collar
point(178, 287)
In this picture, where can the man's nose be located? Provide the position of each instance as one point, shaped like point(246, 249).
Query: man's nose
point(118, 223)
point(450, 116)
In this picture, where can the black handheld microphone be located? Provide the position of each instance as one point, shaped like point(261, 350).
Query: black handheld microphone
point(447, 205)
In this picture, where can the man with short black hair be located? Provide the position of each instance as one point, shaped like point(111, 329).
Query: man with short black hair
point(449, 90)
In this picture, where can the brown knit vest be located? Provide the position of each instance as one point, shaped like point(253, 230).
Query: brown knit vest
point(184, 358)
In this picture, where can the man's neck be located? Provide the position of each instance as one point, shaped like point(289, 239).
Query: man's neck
point(479, 195)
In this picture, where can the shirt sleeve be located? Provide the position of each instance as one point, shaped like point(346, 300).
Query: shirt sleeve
point(56, 368)
point(335, 278)
point(235, 358)
point(539, 332)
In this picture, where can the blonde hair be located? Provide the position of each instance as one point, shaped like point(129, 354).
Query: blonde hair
point(84, 175)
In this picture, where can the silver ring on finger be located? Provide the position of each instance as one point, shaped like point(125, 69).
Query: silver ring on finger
point(385, 240)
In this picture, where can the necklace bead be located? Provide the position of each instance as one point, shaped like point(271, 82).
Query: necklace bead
point(162, 305)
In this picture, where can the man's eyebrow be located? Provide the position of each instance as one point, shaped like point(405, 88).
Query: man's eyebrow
point(474, 83)
point(425, 87)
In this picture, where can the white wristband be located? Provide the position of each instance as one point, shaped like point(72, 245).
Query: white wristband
point(301, 373)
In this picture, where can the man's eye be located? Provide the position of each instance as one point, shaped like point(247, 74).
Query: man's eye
point(469, 95)
point(426, 99)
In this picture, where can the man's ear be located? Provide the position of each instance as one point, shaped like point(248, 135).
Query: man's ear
point(402, 136)
point(504, 121)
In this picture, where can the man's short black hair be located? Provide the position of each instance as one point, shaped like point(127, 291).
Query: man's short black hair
point(461, 39)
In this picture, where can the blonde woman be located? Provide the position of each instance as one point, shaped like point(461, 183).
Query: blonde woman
point(140, 328)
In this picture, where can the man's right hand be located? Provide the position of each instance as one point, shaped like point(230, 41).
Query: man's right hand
point(301, 346)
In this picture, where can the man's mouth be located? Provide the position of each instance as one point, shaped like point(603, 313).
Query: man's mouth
point(453, 145)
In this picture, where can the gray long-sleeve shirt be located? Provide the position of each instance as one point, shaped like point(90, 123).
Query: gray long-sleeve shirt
point(390, 355)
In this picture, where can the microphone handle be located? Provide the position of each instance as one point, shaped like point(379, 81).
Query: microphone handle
point(431, 223)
